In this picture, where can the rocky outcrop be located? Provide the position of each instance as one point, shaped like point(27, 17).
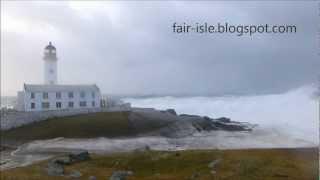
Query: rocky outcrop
point(223, 123)
point(169, 124)
point(142, 119)
point(71, 158)
point(56, 166)
point(79, 156)
point(172, 111)
point(63, 160)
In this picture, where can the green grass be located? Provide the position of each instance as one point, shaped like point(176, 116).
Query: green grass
point(267, 164)
point(102, 124)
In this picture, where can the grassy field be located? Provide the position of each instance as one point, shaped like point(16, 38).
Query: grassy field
point(293, 164)
point(106, 124)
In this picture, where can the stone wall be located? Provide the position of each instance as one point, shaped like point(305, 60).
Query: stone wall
point(12, 119)
point(122, 107)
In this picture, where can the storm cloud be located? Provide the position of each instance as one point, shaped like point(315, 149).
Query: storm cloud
point(129, 47)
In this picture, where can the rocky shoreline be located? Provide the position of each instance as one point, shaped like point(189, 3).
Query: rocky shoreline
point(169, 132)
point(173, 125)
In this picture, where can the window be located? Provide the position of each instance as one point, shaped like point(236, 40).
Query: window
point(93, 95)
point(83, 104)
point(58, 105)
point(45, 95)
point(70, 104)
point(45, 105)
point(93, 104)
point(58, 95)
point(82, 94)
point(33, 105)
point(70, 94)
point(32, 95)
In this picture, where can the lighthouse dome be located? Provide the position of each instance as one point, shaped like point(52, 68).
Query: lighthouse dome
point(50, 52)
point(50, 47)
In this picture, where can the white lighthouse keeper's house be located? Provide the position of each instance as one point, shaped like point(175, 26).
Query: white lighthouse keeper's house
point(54, 96)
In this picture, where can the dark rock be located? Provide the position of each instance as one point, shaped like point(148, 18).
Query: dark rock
point(63, 160)
point(72, 158)
point(171, 111)
point(197, 126)
point(224, 120)
point(75, 174)
point(231, 126)
point(204, 124)
point(92, 178)
point(120, 175)
point(144, 121)
point(188, 115)
point(55, 169)
point(176, 129)
point(79, 156)
point(4, 162)
point(3, 148)
point(56, 165)
point(166, 124)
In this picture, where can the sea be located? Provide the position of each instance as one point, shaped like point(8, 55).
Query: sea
point(294, 113)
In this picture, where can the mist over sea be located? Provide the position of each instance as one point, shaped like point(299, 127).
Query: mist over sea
point(294, 113)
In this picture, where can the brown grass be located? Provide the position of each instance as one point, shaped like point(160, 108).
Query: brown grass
point(269, 164)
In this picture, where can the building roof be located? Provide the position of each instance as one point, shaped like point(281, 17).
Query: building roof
point(57, 88)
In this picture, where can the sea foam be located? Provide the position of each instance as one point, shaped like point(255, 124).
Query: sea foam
point(294, 113)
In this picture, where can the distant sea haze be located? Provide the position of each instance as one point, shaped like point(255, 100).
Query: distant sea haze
point(295, 113)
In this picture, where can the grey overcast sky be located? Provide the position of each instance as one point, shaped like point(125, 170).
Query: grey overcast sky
point(129, 47)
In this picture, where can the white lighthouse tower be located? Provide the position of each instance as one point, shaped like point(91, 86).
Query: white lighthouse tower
point(52, 96)
point(50, 64)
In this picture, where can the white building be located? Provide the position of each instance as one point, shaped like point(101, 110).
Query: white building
point(53, 96)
